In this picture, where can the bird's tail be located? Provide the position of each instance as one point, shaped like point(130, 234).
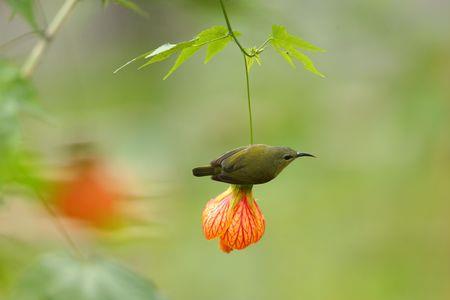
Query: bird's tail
point(204, 171)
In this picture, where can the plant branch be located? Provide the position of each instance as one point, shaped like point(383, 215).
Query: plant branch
point(39, 49)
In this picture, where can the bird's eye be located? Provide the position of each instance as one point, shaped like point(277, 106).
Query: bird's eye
point(287, 157)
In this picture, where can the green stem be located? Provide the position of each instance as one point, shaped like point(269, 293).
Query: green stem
point(245, 54)
point(261, 48)
point(249, 101)
point(39, 49)
point(230, 30)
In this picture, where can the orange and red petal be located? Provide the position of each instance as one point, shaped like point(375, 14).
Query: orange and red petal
point(224, 246)
point(217, 215)
point(247, 225)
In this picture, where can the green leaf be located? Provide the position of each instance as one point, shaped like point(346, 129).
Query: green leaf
point(25, 8)
point(287, 46)
point(210, 36)
point(17, 95)
point(132, 61)
point(216, 38)
point(56, 277)
point(215, 47)
point(280, 34)
point(184, 55)
point(19, 167)
point(283, 53)
point(306, 61)
point(165, 51)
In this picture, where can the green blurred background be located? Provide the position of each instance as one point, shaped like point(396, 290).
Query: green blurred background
point(369, 219)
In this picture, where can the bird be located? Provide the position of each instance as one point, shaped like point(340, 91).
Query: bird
point(249, 165)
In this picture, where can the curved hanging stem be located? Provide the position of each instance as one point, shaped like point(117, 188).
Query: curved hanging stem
point(249, 102)
point(230, 30)
point(245, 55)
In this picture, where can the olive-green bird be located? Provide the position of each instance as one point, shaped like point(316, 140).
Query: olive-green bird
point(254, 164)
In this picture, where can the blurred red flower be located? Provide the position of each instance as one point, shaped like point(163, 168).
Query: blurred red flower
point(89, 195)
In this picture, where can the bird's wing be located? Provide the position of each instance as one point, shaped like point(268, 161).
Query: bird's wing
point(219, 161)
point(224, 178)
point(235, 161)
point(243, 158)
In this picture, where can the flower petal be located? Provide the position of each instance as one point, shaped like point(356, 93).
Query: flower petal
point(247, 225)
point(217, 215)
point(224, 246)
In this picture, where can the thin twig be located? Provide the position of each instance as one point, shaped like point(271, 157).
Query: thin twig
point(261, 48)
point(42, 12)
point(16, 39)
point(39, 49)
point(59, 225)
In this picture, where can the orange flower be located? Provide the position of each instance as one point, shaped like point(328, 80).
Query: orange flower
point(235, 218)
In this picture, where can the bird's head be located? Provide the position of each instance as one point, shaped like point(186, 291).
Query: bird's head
point(283, 156)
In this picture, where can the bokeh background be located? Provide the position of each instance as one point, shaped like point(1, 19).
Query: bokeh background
point(369, 219)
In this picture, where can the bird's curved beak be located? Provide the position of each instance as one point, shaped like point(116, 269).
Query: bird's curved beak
point(300, 154)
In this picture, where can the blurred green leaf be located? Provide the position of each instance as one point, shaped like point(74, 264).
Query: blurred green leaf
point(17, 95)
point(25, 8)
point(14, 90)
point(13, 253)
point(19, 167)
point(56, 277)
point(128, 5)
point(216, 38)
point(287, 46)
